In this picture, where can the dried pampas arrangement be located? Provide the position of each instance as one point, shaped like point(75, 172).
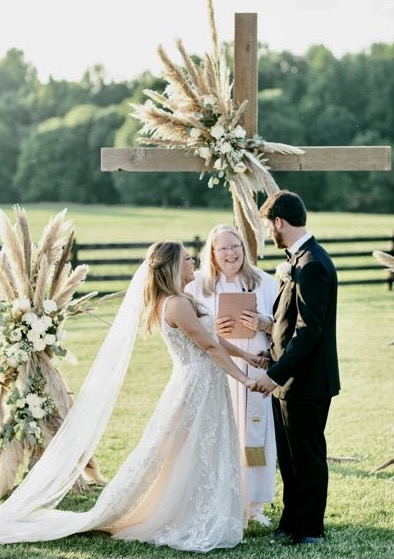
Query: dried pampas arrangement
point(385, 259)
point(197, 113)
point(37, 288)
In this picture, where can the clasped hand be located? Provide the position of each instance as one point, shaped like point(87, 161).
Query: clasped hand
point(263, 383)
point(259, 361)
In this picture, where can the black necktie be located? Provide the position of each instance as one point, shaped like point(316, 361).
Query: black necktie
point(288, 254)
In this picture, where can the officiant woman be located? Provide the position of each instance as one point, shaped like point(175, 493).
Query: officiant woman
point(226, 267)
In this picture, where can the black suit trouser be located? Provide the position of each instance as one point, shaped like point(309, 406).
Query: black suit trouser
point(302, 458)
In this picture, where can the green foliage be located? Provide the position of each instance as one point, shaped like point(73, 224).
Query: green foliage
point(313, 99)
point(57, 142)
point(15, 73)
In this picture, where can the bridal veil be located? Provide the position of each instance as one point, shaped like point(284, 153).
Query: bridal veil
point(75, 442)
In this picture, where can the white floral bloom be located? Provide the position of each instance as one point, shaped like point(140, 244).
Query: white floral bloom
point(39, 326)
point(47, 321)
point(16, 335)
point(49, 306)
point(29, 317)
point(12, 361)
point(20, 403)
point(240, 167)
point(195, 133)
point(23, 305)
point(220, 164)
point(33, 400)
point(204, 152)
point(33, 336)
point(239, 131)
point(37, 412)
point(39, 345)
point(49, 339)
point(226, 147)
point(217, 131)
point(208, 100)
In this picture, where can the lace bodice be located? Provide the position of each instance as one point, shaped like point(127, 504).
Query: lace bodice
point(181, 348)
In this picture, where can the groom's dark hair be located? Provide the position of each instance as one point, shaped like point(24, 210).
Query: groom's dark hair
point(286, 205)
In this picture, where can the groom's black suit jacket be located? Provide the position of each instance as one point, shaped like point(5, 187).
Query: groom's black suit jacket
point(304, 331)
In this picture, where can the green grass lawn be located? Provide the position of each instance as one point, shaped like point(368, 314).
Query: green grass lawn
point(360, 509)
point(99, 223)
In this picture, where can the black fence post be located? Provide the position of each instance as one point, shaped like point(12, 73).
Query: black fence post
point(390, 278)
point(197, 246)
point(74, 254)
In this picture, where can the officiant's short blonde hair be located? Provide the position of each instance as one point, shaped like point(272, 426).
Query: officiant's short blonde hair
point(250, 273)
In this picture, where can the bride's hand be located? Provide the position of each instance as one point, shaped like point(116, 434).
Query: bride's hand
point(256, 361)
point(251, 384)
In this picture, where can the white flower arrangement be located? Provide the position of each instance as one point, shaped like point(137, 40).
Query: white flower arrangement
point(27, 410)
point(37, 288)
point(197, 113)
point(283, 272)
point(23, 332)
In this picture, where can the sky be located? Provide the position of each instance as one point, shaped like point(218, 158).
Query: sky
point(64, 39)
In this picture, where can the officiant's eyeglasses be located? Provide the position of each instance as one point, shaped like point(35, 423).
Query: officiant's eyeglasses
point(232, 248)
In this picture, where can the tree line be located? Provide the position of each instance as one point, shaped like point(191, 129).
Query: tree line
point(51, 133)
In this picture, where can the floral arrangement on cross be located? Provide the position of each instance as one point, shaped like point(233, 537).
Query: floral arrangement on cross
point(197, 113)
point(37, 295)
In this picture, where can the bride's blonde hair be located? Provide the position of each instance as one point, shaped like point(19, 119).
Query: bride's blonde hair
point(164, 278)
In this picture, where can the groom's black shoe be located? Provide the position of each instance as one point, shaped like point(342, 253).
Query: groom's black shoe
point(288, 539)
point(312, 539)
point(283, 537)
point(281, 534)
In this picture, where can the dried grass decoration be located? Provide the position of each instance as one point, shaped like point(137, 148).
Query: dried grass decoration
point(37, 286)
point(196, 112)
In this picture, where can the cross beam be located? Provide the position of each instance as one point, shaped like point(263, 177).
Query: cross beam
point(329, 158)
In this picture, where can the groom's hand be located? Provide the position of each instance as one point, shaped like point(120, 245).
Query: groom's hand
point(265, 385)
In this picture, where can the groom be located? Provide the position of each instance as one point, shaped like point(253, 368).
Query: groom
point(303, 347)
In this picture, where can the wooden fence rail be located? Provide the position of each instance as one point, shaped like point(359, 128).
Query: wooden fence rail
point(116, 262)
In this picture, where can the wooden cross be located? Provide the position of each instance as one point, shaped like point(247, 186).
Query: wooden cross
point(346, 158)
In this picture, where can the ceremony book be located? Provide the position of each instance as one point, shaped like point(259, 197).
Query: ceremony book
point(232, 304)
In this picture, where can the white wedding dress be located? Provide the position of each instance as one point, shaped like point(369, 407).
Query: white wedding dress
point(181, 486)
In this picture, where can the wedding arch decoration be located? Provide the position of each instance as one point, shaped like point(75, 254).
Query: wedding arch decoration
point(197, 113)
point(244, 87)
point(37, 295)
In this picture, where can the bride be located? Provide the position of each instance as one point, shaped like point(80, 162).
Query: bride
point(181, 486)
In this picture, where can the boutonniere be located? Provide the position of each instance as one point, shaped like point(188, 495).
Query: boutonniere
point(283, 271)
